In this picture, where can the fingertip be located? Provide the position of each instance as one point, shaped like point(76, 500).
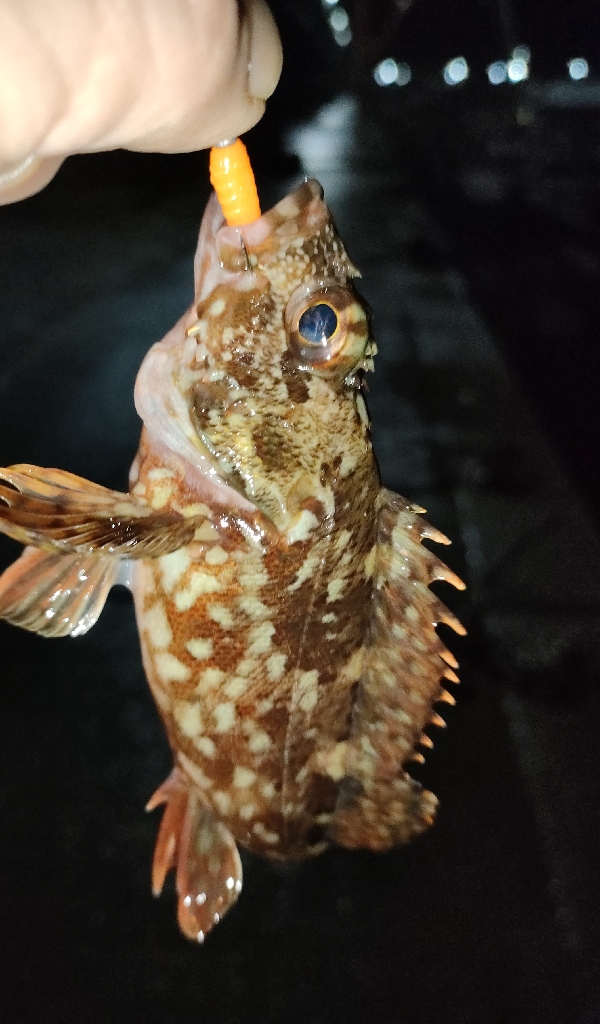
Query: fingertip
point(240, 121)
point(19, 181)
point(266, 54)
point(262, 57)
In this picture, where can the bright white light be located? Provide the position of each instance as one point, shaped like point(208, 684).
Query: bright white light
point(340, 24)
point(386, 73)
point(329, 3)
point(517, 70)
point(389, 72)
point(497, 73)
point(343, 38)
point(339, 19)
point(578, 68)
point(522, 53)
point(456, 70)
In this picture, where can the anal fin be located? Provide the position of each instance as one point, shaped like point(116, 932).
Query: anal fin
point(204, 854)
point(54, 594)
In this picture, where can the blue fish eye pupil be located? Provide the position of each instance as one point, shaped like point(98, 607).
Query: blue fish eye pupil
point(318, 323)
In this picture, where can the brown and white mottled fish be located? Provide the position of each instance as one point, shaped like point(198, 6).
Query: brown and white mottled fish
point(282, 595)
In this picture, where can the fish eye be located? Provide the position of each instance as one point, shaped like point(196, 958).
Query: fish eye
point(327, 328)
point(318, 323)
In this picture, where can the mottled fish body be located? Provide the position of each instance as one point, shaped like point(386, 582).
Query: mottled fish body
point(282, 595)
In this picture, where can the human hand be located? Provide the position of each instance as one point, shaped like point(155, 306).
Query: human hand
point(169, 76)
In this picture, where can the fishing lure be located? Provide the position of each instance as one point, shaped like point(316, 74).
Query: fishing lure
point(232, 178)
point(281, 593)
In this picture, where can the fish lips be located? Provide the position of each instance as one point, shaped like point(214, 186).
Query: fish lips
point(225, 253)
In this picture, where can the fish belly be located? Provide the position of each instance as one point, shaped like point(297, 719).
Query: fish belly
point(253, 659)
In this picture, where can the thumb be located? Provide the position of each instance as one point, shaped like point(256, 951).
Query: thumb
point(150, 75)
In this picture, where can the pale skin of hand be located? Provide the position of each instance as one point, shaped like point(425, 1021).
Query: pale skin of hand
point(168, 76)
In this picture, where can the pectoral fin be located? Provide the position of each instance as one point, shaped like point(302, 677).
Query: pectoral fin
point(58, 511)
point(56, 595)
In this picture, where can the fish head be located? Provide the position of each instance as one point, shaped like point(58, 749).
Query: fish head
point(270, 374)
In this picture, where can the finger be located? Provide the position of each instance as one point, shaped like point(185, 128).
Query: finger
point(153, 75)
point(242, 82)
point(27, 177)
point(266, 57)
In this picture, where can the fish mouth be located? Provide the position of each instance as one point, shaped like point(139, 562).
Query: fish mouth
point(224, 252)
point(301, 212)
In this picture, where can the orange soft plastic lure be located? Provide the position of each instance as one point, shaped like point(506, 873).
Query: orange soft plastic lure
point(232, 178)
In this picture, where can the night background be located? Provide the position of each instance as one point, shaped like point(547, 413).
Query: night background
point(460, 154)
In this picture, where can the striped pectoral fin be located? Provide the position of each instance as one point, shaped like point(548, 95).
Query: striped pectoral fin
point(58, 511)
point(204, 854)
point(406, 666)
point(56, 595)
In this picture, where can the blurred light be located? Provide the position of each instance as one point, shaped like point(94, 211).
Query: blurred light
point(338, 116)
point(456, 70)
point(329, 3)
point(389, 72)
point(386, 73)
point(339, 20)
point(324, 142)
point(517, 70)
point(343, 38)
point(578, 68)
point(522, 53)
point(497, 72)
point(404, 74)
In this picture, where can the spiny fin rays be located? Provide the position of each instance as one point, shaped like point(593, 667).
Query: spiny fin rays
point(401, 683)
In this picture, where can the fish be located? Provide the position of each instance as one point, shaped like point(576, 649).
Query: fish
point(282, 594)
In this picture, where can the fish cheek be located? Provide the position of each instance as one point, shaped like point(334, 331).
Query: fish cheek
point(270, 448)
point(294, 379)
point(203, 399)
point(245, 371)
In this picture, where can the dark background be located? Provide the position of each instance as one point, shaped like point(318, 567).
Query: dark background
point(473, 212)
